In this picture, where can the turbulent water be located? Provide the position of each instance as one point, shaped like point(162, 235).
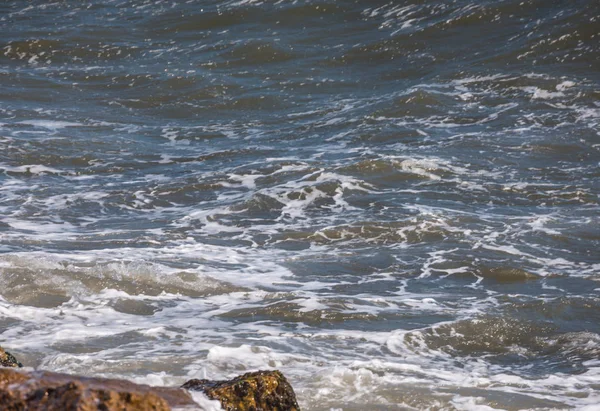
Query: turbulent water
point(397, 204)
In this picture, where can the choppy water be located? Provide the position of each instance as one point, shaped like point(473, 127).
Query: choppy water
point(394, 203)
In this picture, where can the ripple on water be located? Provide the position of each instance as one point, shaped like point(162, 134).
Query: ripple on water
point(396, 204)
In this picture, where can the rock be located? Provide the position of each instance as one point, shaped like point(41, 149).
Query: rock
point(42, 390)
point(75, 396)
point(49, 391)
point(8, 360)
point(255, 391)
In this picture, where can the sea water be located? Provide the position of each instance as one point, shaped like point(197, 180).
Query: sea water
point(395, 203)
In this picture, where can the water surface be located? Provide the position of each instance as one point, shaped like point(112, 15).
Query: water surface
point(394, 203)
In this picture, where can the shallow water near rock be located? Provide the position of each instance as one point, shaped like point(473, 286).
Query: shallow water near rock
point(396, 204)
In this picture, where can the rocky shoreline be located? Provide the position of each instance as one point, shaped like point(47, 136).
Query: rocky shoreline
point(44, 390)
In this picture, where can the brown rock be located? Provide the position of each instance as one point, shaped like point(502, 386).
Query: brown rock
point(47, 391)
point(8, 360)
point(255, 391)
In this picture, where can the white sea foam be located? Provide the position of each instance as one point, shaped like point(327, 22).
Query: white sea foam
point(247, 180)
point(472, 404)
point(205, 403)
point(421, 167)
point(565, 85)
point(363, 379)
point(537, 93)
point(31, 169)
point(51, 124)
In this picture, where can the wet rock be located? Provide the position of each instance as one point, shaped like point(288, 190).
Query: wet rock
point(75, 396)
point(255, 391)
point(48, 391)
point(8, 360)
point(41, 390)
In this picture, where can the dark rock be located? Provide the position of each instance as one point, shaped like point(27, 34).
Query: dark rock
point(8, 360)
point(255, 391)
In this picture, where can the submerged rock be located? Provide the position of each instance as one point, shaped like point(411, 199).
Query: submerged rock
point(8, 360)
point(255, 391)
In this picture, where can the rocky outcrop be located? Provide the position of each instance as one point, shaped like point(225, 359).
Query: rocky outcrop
point(49, 391)
point(261, 390)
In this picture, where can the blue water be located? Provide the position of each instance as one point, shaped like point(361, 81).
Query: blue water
point(394, 203)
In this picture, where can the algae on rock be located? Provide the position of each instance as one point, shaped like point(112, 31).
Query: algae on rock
point(8, 360)
point(254, 391)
